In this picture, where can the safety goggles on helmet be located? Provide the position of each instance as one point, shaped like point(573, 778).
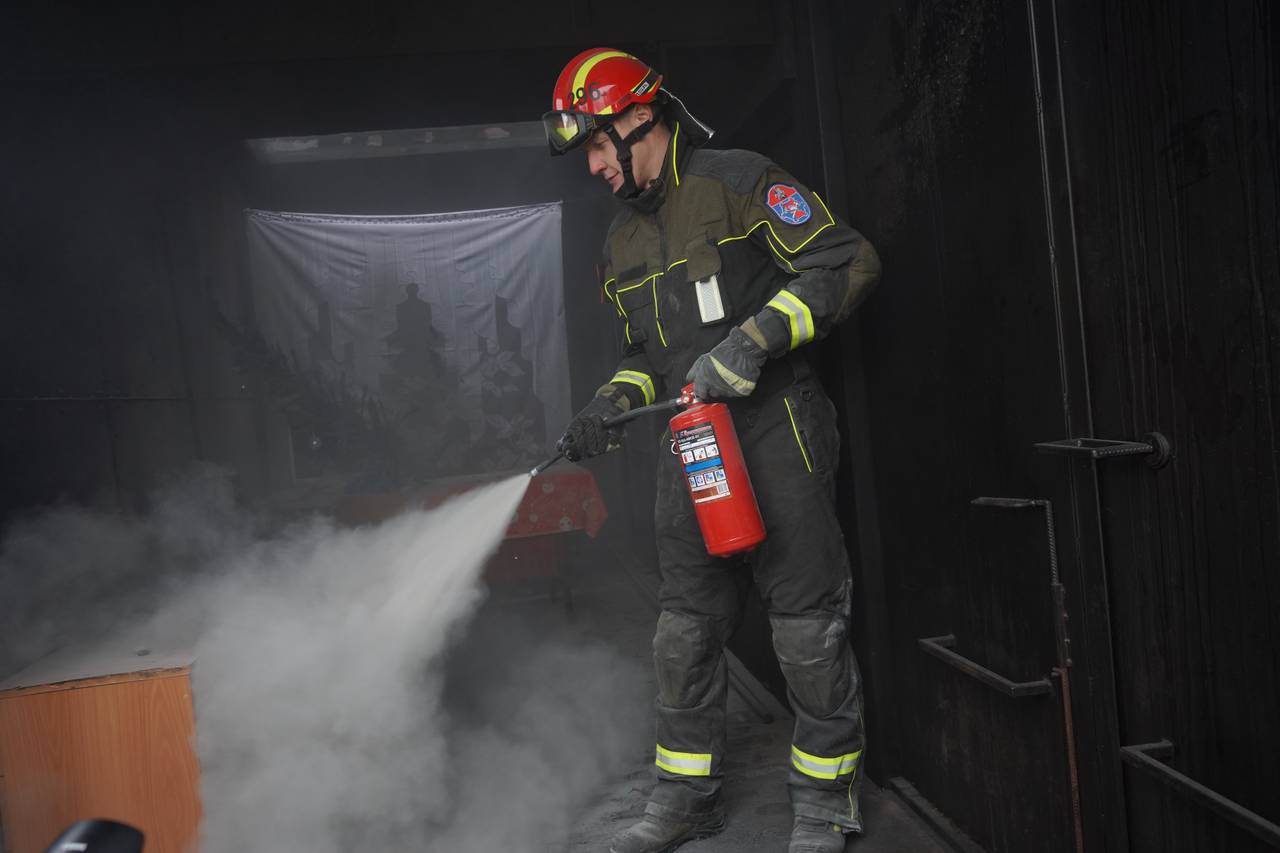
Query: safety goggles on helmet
point(567, 130)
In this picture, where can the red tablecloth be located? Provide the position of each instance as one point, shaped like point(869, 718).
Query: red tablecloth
point(562, 499)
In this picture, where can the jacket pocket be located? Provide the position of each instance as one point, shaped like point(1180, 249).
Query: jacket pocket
point(796, 420)
point(811, 418)
point(635, 302)
point(703, 275)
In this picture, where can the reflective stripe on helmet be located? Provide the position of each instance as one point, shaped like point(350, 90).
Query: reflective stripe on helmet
point(580, 78)
point(647, 83)
point(683, 763)
point(604, 81)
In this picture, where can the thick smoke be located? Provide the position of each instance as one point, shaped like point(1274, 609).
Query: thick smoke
point(343, 699)
point(69, 576)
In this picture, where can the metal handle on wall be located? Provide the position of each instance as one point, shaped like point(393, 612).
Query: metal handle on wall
point(941, 648)
point(1146, 757)
point(1154, 445)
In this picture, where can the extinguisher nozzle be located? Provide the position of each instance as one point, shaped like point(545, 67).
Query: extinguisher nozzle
point(545, 465)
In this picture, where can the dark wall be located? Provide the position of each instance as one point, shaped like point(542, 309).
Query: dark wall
point(122, 222)
point(1174, 128)
point(944, 165)
point(1077, 204)
point(122, 250)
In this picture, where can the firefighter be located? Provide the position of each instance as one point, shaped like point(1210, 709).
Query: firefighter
point(722, 268)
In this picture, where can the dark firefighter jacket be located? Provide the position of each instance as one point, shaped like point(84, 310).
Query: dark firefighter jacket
point(721, 238)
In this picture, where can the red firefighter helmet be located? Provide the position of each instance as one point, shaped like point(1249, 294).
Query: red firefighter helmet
point(594, 87)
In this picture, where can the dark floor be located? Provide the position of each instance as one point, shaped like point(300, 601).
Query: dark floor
point(617, 604)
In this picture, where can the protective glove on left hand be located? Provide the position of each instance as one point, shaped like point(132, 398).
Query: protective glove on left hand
point(730, 369)
point(586, 435)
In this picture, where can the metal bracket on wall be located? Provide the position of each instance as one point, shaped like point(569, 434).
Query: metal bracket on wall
point(1149, 758)
point(1058, 593)
point(1154, 446)
point(941, 648)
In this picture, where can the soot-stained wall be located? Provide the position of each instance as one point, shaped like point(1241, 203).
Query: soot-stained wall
point(1077, 207)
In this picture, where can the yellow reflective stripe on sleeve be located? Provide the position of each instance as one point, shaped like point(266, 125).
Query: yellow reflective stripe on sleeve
point(641, 380)
point(795, 429)
point(683, 763)
point(798, 315)
point(824, 768)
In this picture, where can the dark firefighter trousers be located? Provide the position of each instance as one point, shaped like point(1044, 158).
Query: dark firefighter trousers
point(791, 446)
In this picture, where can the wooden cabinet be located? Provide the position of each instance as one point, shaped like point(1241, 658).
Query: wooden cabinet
point(76, 745)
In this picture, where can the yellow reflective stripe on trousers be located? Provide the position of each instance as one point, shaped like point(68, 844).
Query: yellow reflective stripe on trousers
point(798, 315)
point(804, 454)
point(824, 768)
point(683, 763)
point(642, 380)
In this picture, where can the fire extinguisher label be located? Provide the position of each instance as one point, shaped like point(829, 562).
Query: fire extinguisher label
point(700, 454)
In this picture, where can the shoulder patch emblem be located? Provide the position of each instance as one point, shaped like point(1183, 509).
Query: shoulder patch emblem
point(787, 204)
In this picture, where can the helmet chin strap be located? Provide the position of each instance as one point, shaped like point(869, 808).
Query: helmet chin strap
point(622, 145)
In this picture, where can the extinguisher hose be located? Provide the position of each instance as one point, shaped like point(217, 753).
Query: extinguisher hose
point(617, 421)
point(632, 414)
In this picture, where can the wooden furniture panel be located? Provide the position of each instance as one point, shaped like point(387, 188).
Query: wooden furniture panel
point(118, 747)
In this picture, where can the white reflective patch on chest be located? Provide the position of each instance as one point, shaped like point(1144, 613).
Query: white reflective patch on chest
point(710, 305)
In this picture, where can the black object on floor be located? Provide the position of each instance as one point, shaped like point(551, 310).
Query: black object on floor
point(98, 836)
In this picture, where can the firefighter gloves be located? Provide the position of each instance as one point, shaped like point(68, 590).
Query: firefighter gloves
point(586, 435)
point(730, 369)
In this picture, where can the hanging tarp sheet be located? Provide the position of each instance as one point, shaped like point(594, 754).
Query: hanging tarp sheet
point(453, 323)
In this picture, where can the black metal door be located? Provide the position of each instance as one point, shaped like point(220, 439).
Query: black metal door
point(1171, 112)
point(966, 369)
point(1077, 205)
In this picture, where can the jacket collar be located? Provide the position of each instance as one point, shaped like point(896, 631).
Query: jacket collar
point(673, 165)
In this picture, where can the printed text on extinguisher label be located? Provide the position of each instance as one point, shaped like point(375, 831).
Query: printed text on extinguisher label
point(700, 454)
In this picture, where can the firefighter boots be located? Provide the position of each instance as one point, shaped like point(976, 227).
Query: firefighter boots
point(654, 834)
point(816, 836)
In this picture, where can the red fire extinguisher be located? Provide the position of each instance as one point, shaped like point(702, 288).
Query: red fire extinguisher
point(703, 438)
